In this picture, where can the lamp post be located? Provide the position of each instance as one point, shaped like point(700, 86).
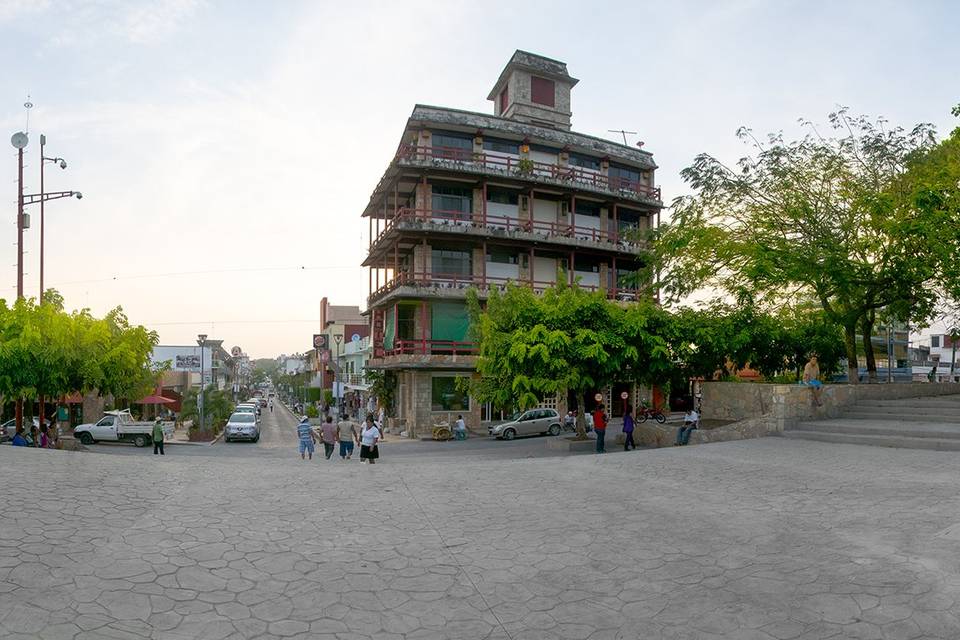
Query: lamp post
point(954, 335)
point(43, 161)
point(202, 341)
point(338, 379)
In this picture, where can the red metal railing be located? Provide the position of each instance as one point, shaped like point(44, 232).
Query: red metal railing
point(491, 221)
point(426, 346)
point(522, 166)
point(465, 281)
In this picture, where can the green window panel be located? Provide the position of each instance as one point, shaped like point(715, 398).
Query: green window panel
point(388, 330)
point(449, 321)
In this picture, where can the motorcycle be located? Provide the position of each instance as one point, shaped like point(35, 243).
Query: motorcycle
point(645, 412)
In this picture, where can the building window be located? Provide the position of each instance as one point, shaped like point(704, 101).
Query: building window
point(445, 396)
point(502, 196)
point(452, 141)
point(624, 174)
point(501, 146)
point(585, 162)
point(457, 199)
point(542, 91)
point(501, 256)
point(935, 342)
point(591, 209)
point(503, 100)
point(452, 262)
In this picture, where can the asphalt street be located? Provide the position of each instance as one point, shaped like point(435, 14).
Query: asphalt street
point(278, 439)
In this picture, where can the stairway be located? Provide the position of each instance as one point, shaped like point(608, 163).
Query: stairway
point(909, 423)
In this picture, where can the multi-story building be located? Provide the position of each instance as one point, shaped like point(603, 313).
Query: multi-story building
point(472, 200)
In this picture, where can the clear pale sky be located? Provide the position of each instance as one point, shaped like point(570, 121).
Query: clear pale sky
point(239, 141)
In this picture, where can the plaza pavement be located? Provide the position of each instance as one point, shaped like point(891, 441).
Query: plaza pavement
point(764, 539)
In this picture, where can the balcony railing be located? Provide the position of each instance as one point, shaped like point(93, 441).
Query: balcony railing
point(465, 281)
point(492, 222)
point(502, 163)
point(427, 347)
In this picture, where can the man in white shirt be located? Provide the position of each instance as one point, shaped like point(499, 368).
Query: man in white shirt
point(690, 422)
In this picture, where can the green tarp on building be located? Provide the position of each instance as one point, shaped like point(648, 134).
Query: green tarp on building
point(449, 321)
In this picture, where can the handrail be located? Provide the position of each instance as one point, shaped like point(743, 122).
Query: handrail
point(525, 166)
point(493, 221)
point(463, 281)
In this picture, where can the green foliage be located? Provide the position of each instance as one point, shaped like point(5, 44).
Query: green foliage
point(217, 407)
point(533, 346)
point(863, 221)
point(46, 351)
point(312, 411)
point(383, 385)
point(328, 397)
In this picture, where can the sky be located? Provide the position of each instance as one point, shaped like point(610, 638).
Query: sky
point(226, 149)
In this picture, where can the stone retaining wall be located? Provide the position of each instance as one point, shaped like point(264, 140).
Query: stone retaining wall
point(767, 409)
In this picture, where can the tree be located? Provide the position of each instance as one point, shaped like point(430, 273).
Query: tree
point(45, 351)
point(837, 219)
point(566, 339)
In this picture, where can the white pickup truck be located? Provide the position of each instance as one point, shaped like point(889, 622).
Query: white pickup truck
point(119, 426)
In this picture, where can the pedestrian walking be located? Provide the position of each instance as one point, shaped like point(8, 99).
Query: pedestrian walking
point(328, 433)
point(600, 427)
point(369, 437)
point(306, 437)
point(628, 442)
point(157, 436)
point(44, 439)
point(346, 435)
point(270, 404)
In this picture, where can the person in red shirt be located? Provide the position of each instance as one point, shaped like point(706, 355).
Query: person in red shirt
point(600, 426)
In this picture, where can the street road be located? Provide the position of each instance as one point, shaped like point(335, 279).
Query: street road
point(278, 439)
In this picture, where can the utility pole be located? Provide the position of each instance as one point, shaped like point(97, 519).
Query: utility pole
point(954, 335)
point(337, 377)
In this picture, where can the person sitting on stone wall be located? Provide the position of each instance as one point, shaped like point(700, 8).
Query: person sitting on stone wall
point(691, 421)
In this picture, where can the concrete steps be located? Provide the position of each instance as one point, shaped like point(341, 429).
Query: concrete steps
point(899, 442)
point(910, 423)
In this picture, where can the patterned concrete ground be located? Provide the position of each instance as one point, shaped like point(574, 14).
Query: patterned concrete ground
point(767, 539)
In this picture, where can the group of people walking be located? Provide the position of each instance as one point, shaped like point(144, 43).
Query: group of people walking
point(344, 433)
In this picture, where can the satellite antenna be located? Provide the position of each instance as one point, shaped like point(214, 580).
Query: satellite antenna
point(623, 133)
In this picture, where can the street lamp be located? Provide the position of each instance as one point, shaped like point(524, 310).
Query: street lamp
point(202, 341)
point(338, 379)
point(63, 165)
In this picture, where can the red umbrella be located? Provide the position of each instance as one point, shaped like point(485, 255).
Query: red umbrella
point(156, 398)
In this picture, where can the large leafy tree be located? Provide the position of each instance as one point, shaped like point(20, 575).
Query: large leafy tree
point(532, 346)
point(845, 220)
point(47, 352)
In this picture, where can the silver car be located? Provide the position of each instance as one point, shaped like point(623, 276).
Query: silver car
point(241, 426)
point(528, 423)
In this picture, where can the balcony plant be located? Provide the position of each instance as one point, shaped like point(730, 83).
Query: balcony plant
point(525, 166)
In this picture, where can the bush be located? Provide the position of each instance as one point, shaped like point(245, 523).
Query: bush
point(312, 411)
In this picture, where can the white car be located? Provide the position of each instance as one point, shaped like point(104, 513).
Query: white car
point(246, 407)
point(241, 426)
point(119, 426)
point(9, 428)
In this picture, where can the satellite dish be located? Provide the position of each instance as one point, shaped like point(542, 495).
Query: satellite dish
point(19, 140)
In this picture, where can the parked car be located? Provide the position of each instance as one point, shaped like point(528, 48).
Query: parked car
point(9, 428)
point(528, 423)
point(119, 426)
point(241, 426)
point(246, 407)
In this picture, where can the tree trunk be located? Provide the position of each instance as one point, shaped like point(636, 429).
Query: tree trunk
point(866, 328)
point(581, 424)
point(850, 342)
